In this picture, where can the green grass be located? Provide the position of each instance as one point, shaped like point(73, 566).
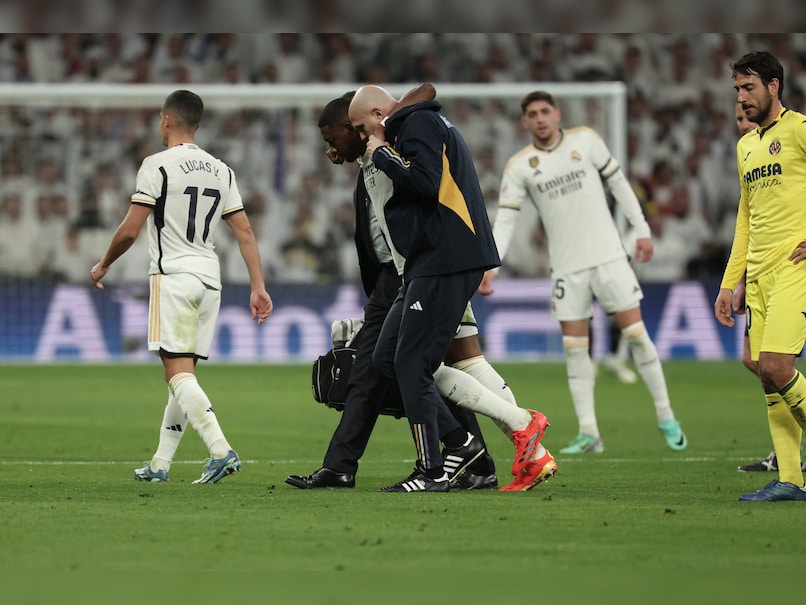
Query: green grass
point(71, 435)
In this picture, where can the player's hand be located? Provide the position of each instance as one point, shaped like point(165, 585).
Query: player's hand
point(799, 254)
point(722, 310)
point(261, 304)
point(643, 249)
point(374, 141)
point(486, 285)
point(97, 273)
point(737, 300)
point(334, 156)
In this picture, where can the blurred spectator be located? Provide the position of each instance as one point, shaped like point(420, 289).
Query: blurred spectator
point(52, 228)
point(638, 73)
point(587, 62)
point(116, 68)
point(50, 181)
point(669, 249)
point(141, 70)
point(639, 163)
point(682, 90)
point(703, 258)
point(489, 177)
point(339, 54)
point(338, 252)
point(19, 236)
point(662, 186)
point(669, 142)
point(528, 253)
point(551, 50)
point(291, 65)
point(395, 52)
point(13, 173)
point(680, 135)
point(171, 58)
point(73, 262)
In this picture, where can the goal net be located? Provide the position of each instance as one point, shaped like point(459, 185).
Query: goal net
point(69, 155)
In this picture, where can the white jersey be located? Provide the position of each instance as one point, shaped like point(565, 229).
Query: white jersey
point(189, 191)
point(565, 185)
point(380, 189)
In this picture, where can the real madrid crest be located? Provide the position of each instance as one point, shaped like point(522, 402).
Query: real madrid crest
point(534, 161)
point(576, 156)
point(775, 147)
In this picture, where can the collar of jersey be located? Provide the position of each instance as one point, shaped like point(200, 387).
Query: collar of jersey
point(762, 131)
point(553, 147)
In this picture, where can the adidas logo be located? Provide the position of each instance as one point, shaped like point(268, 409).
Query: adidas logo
point(530, 448)
point(452, 464)
point(416, 306)
point(415, 485)
point(174, 427)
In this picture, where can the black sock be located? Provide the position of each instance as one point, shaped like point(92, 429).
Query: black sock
point(434, 473)
point(455, 438)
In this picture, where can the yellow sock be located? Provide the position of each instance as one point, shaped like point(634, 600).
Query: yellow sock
point(785, 433)
point(794, 393)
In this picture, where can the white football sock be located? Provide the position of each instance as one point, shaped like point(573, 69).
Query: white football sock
point(480, 369)
point(464, 390)
point(199, 412)
point(171, 432)
point(649, 367)
point(581, 381)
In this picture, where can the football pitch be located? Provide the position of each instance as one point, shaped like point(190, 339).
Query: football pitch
point(72, 434)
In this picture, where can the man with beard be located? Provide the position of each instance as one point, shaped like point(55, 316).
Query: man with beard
point(769, 243)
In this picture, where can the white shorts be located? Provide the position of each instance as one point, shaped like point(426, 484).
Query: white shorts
point(468, 326)
point(613, 284)
point(182, 314)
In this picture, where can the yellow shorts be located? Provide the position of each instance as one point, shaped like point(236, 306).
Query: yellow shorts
point(776, 310)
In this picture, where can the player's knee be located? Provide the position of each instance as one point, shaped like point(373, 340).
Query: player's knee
point(774, 376)
point(175, 379)
point(634, 331)
point(577, 359)
point(572, 344)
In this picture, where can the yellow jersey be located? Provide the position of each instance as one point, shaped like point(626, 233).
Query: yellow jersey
point(771, 220)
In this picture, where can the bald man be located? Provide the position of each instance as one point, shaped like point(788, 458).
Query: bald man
point(438, 221)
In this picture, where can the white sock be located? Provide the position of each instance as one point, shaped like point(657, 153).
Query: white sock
point(480, 369)
point(648, 364)
point(199, 412)
point(464, 390)
point(581, 381)
point(171, 432)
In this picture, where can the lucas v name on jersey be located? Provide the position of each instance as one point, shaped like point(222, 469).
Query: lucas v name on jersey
point(189, 166)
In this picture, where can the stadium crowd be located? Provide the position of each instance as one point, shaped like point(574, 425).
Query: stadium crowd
point(67, 173)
